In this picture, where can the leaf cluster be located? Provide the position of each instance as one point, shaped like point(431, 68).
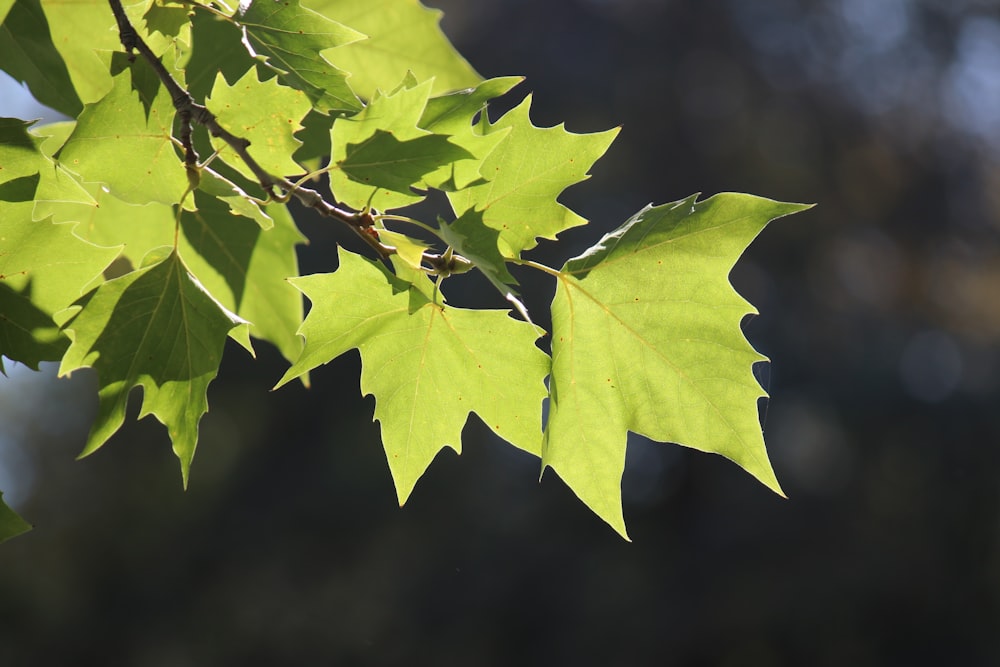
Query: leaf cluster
point(136, 237)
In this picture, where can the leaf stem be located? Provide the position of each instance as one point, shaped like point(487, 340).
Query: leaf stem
point(412, 221)
point(534, 265)
point(188, 110)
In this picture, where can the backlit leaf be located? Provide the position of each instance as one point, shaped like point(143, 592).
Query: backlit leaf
point(428, 366)
point(292, 38)
point(119, 142)
point(156, 328)
point(646, 338)
point(266, 114)
point(246, 268)
point(241, 265)
point(403, 36)
point(44, 267)
point(28, 54)
point(453, 114)
point(524, 179)
point(216, 48)
point(85, 33)
point(11, 525)
point(389, 120)
point(384, 162)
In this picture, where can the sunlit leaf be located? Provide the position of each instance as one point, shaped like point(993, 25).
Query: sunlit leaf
point(28, 54)
point(524, 180)
point(646, 338)
point(389, 121)
point(44, 267)
point(454, 115)
point(403, 36)
point(85, 34)
point(428, 366)
point(156, 328)
point(264, 113)
point(127, 145)
point(292, 38)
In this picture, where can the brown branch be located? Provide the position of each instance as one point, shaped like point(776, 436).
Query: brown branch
point(188, 110)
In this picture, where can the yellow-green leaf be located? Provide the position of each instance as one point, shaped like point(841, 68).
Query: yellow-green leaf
point(265, 113)
point(159, 329)
point(525, 174)
point(427, 365)
point(646, 338)
point(403, 36)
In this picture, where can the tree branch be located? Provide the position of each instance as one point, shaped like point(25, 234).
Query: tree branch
point(188, 110)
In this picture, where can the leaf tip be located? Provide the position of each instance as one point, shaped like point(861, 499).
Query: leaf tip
point(289, 375)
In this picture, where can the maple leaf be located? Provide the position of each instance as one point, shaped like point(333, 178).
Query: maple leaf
point(292, 38)
point(380, 152)
point(159, 329)
point(523, 180)
point(241, 264)
point(383, 161)
point(28, 172)
point(128, 146)
point(216, 47)
point(663, 356)
point(44, 267)
point(452, 115)
point(427, 365)
point(28, 54)
point(245, 268)
point(384, 58)
point(85, 35)
point(11, 525)
point(266, 114)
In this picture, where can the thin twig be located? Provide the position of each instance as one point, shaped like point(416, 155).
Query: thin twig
point(188, 110)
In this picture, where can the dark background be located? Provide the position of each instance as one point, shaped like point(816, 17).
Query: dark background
point(879, 309)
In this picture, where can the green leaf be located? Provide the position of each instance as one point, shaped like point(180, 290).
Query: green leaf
point(246, 268)
point(156, 328)
point(387, 124)
point(53, 136)
point(30, 151)
point(85, 33)
point(646, 338)
point(11, 525)
point(119, 142)
point(27, 333)
point(112, 222)
point(291, 37)
point(216, 48)
point(453, 115)
point(315, 138)
point(526, 173)
point(383, 161)
point(403, 36)
point(408, 249)
point(28, 54)
point(44, 267)
point(21, 155)
point(238, 200)
point(171, 21)
point(478, 243)
point(428, 366)
point(265, 113)
point(242, 266)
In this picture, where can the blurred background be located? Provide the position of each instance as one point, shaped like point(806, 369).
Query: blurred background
point(879, 309)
